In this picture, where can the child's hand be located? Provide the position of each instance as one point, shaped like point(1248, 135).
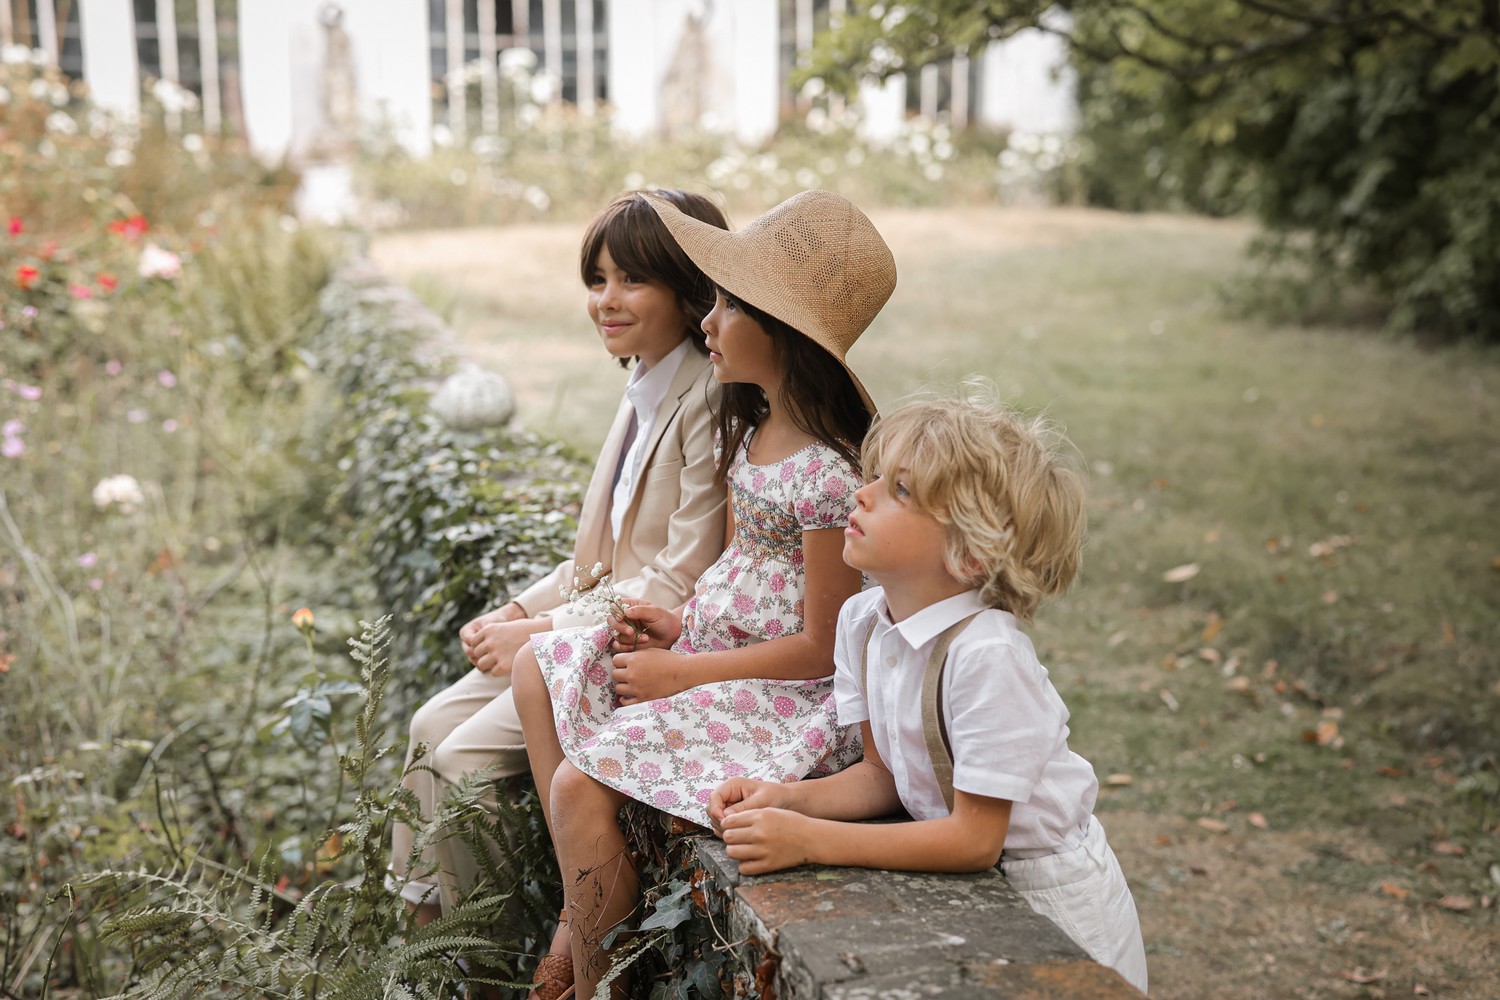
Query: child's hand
point(741, 794)
point(768, 840)
point(647, 627)
point(650, 674)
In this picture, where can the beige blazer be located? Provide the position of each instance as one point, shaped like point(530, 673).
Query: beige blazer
point(674, 527)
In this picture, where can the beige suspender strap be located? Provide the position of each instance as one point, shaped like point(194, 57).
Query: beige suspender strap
point(933, 727)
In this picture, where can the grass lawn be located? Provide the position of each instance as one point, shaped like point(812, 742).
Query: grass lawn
point(1281, 658)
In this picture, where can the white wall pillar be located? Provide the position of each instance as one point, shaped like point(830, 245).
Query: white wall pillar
point(107, 30)
point(166, 48)
point(958, 105)
point(552, 46)
point(394, 67)
point(1017, 85)
point(756, 69)
point(7, 29)
point(883, 109)
point(453, 29)
point(266, 76)
point(635, 69)
point(489, 72)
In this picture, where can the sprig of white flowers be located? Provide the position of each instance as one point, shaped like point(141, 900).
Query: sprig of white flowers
point(595, 595)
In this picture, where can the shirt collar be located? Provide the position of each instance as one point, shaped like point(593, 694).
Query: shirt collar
point(924, 626)
point(647, 389)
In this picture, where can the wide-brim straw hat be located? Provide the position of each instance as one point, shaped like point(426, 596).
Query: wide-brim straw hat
point(815, 262)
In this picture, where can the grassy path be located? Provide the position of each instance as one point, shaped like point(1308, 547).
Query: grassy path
point(1297, 725)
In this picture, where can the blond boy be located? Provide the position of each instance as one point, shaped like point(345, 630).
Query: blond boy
point(967, 523)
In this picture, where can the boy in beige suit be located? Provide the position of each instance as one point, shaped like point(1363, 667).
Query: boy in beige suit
point(653, 515)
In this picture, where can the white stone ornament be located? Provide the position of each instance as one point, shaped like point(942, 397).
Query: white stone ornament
point(472, 399)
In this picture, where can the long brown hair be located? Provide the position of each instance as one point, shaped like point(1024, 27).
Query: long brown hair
point(816, 391)
point(641, 245)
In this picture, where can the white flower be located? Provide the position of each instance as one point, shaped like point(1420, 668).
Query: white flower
point(442, 136)
point(517, 62)
point(174, 99)
point(61, 121)
point(159, 263)
point(121, 491)
point(543, 88)
point(538, 199)
point(15, 55)
point(192, 142)
point(119, 158)
point(4, 95)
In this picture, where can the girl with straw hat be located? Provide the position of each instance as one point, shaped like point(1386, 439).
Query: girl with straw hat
point(662, 705)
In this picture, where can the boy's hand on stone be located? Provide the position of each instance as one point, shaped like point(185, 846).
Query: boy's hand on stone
point(647, 627)
point(742, 794)
point(768, 840)
point(649, 674)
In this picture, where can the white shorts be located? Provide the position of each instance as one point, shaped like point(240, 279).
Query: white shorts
point(1083, 891)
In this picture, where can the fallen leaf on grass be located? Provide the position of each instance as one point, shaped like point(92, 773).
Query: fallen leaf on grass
point(1418, 990)
point(1210, 655)
point(1169, 699)
point(1213, 628)
point(1458, 904)
point(1449, 636)
point(1213, 825)
point(1181, 574)
point(1393, 890)
point(1239, 685)
point(1258, 821)
point(1386, 771)
point(1119, 780)
point(1330, 597)
point(1449, 848)
point(1359, 975)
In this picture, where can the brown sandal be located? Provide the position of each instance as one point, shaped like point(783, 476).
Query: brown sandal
point(554, 973)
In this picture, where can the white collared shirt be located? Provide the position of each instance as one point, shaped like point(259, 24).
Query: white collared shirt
point(646, 391)
point(1007, 725)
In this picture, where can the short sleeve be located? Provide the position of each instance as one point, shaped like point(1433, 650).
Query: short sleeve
point(848, 694)
point(824, 492)
point(1005, 719)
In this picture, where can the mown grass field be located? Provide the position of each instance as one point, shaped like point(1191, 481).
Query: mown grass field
point(1282, 655)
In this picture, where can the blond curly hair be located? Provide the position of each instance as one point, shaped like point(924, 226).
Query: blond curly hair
point(1012, 511)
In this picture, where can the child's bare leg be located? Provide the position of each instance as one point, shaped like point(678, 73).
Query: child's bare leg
point(599, 882)
point(534, 707)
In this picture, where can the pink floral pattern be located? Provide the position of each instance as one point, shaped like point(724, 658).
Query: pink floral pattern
point(674, 751)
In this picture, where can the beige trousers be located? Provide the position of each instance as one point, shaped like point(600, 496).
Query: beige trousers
point(470, 726)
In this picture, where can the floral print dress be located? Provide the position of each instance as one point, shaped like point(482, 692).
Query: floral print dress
point(673, 752)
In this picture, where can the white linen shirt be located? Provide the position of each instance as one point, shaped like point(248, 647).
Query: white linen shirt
point(1007, 725)
point(647, 390)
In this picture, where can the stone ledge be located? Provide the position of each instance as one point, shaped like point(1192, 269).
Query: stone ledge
point(857, 934)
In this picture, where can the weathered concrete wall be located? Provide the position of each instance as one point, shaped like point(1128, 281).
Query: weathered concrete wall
point(846, 933)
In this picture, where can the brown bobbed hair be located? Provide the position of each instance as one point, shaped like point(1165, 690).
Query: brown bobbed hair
point(816, 391)
point(640, 244)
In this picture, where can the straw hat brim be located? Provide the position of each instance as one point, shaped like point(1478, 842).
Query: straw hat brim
point(815, 262)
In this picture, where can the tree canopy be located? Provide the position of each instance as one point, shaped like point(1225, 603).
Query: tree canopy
point(1363, 133)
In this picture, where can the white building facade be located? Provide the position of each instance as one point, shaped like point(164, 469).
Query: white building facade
point(303, 79)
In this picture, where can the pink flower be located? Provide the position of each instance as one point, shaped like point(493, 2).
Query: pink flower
point(635, 734)
point(835, 487)
point(744, 603)
point(169, 425)
point(87, 560)
point(113, 367)
point(788, 468)
point(596, 673)
point(26, 276)
point(166, 378)
point(108, 281)
point(773, 628)
point(806, 511)
point(666, 797)
point(13, 428)
point(31, 393)
point(703, 698)
point(693, 768)
point(649, 771)
point(814, 738)
point(745, 701)
point(777, 582)
point(760, 735)
point(135, 416)
point(661, 705)
point(785, 707)
point(130, 228)
point(80, 291)
point(814, 466)
point(12, 447)
point(562, 652)
point(704, 794)
point(718, 732)
point(16, 225)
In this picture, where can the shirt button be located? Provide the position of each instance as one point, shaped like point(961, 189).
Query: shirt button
point(890, 661)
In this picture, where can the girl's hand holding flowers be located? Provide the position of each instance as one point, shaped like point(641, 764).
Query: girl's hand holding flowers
point(641, 625)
